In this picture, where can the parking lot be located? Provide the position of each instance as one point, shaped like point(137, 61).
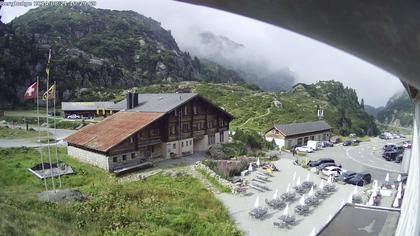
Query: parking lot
point(366, 157)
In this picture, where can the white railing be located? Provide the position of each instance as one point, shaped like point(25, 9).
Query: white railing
point(409, 222)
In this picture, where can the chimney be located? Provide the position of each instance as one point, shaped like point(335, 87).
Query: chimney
point(135, 100)
point(129, 98)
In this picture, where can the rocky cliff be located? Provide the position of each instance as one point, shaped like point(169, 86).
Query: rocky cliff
point(94, 48)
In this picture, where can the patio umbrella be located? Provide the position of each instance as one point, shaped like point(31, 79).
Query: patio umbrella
point(356, 188)
point(400, 187)
point(313, 233)
point(258, 162)
point(288, 188)
point(275, 194)
point(399, 195)
point(399, 178)
point(302, 200)
point(350, 200)
point(294, 176)
point(375, 192)
point(311, 192)
point(387, 177)
point(286, 210)
point(298, 181)
point(250, 167)
point(321, 185)
point(257, 202)
point(370, 202)
point(396, 202)
point(308, 176)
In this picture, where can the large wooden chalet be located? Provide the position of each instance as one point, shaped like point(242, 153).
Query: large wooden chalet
point(147, 127)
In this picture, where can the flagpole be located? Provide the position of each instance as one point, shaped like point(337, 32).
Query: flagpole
point(55, 132)
point(39, 134)
point(48, 127)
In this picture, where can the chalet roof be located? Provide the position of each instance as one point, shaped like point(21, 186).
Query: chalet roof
point(112, 130)
point(157, 102)
point(85, 106)
point(302, 128)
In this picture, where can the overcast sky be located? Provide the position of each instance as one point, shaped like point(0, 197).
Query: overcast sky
point(308, 59)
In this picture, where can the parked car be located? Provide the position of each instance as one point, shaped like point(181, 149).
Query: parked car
point(345, 176)
point(326, 144)
point(320, 161)
point(360, 179)
point(347, 143)
point(73, 116)
point(399, 158)
point(399, 149)
point(383, 136)
point(304, 149)
point(407, 144)
point(324, 165)
point(331, 170)
point(390, 155)
point(389, 146)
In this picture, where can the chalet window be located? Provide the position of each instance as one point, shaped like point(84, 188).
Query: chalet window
point(195, 126)
point(209, 124)
point(186, 127)
point(124, 157)
point(190, 142)
point(211, 139)
point(186, 110)
point(195, 109)
point(115, 159)
point(222, 137)
point(172, 130)
point(154, 132)
point(133, 155)
point(131, 139)
point(151, 148)
point(174, 146)
point(182, 144)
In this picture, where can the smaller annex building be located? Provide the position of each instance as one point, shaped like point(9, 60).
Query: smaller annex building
point(87, 109)
point(289, 135)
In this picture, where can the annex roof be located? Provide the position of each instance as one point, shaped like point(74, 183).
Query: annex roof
point(302, 128)
point(85, 106)
point(157, 102)
point(112, 130)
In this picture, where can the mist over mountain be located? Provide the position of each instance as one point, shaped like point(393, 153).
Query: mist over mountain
point(373, 111)
point(252, 67)
point(399, 110)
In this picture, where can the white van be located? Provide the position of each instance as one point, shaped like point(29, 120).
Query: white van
point(315, 145)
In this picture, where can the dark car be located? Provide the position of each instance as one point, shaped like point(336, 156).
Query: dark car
point(390, 155)
point(347, 143)
point(399, 158)
point(345, 176)
point(389, 147)
point(399, 149)
point(360, 179)
point(320, 161)
point(326, 144)
point(322, 166)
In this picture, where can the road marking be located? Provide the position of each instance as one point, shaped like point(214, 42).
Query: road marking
point(371, 166)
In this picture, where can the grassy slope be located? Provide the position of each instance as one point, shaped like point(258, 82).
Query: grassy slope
point(159, 205)
point(19, 133)
point(245, 103)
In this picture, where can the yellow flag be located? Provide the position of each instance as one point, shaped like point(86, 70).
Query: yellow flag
point(50, 94)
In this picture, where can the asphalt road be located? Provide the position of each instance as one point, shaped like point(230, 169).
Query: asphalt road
point(367, 157)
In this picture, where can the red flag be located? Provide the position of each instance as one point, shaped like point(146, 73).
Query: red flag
point(31, 92)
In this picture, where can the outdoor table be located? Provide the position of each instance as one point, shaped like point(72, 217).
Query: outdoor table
point(301, 190)
point(321, 193)
point(312, 201)
point(258, 212)
point(288, 196)
point(356, 199)
point(302, 209)
point(308, 184)
point(276, 203)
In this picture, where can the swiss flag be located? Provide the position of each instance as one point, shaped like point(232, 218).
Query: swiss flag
point(31, 92)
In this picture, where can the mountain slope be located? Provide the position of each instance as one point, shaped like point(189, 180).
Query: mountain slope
point(398, 111)
point(253, 67)
point(258, 110)
point(94, 48)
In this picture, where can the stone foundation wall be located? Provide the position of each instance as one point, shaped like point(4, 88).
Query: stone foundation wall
point(92, 158)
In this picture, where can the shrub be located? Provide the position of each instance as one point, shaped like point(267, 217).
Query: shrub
point(228, 168)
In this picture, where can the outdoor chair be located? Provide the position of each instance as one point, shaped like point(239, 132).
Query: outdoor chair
point(301, 190)
point(258, 213)
point(356, 198)
point(256, 188)
point(265, 188)
point(308, 184)
point(258, 180)
point(312, 201)
point(265, 179)
point(330, 188)
point(288, 197)
point(321, 194)
point(276, 203)
point(302, 210)
point(287, 220)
